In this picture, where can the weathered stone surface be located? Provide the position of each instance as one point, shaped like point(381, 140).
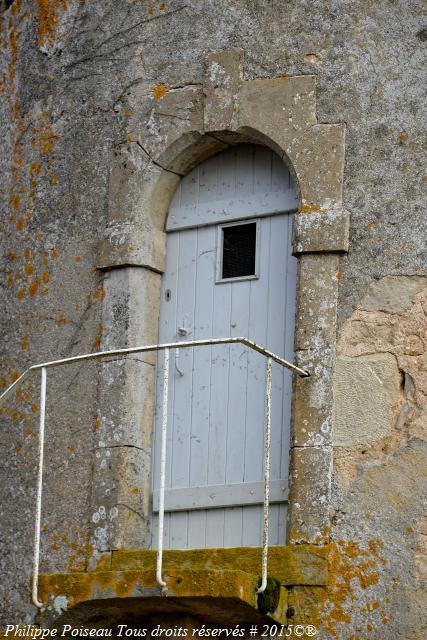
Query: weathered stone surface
point(315, 326)
point(292, 564)
point(223, 79)
point(320, 232)
point(120, 497)
point(315, 348)
point(366, 393)
point(393, 294)
point(309, 494)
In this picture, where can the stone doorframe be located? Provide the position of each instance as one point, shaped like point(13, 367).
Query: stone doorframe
point(175, 130)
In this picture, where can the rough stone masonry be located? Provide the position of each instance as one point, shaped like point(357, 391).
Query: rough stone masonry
point(92, 95)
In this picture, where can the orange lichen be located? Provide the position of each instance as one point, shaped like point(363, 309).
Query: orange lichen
point(62, 320)
point(34, 286)
point(96, 344)
point(99, 294)
point(25, 342)
point(20, 294)
point(48, 19)
point(46, 139)
point(13, 41)
point(16, 7)
point(53, 178)
point(35, 168)
point(350, 563)
point(309, 208)
point(29, 269)
point(20, 224)
point(159, 91)
point(15, 202)
point(45, 277)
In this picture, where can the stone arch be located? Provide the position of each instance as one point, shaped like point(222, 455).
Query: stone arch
point(279, 113)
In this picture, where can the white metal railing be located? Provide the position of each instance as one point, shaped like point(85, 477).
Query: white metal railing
point(270, 358)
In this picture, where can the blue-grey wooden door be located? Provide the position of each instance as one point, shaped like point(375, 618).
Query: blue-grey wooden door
point(216, 401)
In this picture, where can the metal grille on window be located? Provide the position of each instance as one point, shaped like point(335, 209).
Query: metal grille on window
point(239, 246)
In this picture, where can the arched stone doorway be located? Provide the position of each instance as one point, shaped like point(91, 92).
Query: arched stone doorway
point(229, 272)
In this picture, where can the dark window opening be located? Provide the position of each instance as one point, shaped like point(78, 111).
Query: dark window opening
point(238, 253)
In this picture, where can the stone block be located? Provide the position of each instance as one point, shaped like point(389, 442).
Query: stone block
point(126, 403)
point(366, 392)
point(222, 82)
point(315, 327)
point(318, 160)
point(307, 605)
point(120, 497)
point(318, 232)
point(312, 405)
point(131, 309)
point(309, 494)
point(289, 102)
point(393, 294)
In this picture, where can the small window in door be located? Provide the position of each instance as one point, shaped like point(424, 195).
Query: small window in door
point(237, 251)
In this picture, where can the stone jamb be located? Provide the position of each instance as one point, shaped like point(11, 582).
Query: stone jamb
point(280, 113)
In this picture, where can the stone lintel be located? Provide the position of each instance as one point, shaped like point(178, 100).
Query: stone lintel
point(321, 232)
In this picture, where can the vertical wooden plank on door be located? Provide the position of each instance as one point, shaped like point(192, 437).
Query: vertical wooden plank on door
point(257, 331)
point(236, 415)
point(208, 180)
point(209, 192)
point(219, 407)
point(262, 170)
point(182, 385)
point(202, 328)
point(180, 454)
point(227, 175)
point(239, 325)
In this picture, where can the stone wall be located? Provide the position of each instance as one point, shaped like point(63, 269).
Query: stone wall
point(77, 79)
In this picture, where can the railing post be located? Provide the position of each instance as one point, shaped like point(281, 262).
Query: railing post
point(159, 577)
point(39, 491)
point(267, 438)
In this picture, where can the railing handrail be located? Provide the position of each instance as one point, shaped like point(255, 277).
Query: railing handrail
point(98, 355)
point(166, 348)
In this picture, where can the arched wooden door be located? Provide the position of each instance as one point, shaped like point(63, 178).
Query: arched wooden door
point(229, 272)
